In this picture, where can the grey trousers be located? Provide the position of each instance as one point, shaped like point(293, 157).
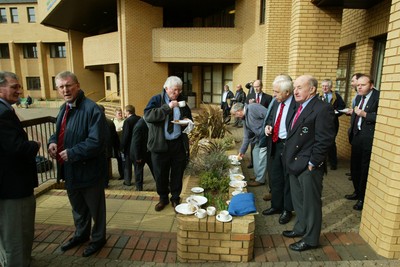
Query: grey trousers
point(17, 230)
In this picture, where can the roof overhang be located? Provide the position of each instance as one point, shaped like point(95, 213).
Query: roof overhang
point(351, 4)
point(87, 16)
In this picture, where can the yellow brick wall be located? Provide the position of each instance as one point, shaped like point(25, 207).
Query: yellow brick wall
point(141, 78)
point(381, 216)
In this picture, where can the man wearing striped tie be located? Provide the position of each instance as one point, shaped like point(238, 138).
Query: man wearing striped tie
point(308, 140)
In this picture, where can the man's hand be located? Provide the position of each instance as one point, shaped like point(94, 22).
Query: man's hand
point(268, 130)
point(173, 104)
point(360, 112)
point(52, 150)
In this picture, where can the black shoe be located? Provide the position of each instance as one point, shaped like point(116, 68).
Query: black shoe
point(285, 217)
point(250, 166)
point(127, 184)
point(73, 242)
point(93, 248)
point(353, 196)
point(301, 246)
point(359, 205)
point(333, 167)
point(160, 206)
point(271, 211)
point(291, 234)
point(348, 173)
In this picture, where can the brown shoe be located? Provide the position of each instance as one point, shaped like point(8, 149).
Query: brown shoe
point(160, 206)
point(254, 183)
point(267, 197)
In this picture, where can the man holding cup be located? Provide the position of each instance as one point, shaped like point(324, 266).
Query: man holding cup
point(168, 145)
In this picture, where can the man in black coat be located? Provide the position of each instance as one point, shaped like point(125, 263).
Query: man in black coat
point(18, 177)
point(310, 136)
point(226, 104)
point(361, 136)
point(139, 153)
point(337, 103)
point(127, 128)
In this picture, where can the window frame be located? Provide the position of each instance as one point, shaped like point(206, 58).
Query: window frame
point(3, 15)
point(14, 17)
point(28, 52)
point(31, 17)
point(33, 83)
point(378, 56)
point(343, 82)
point(216, 93)
point(4, 51)
point(263, 4)
point(56, 52)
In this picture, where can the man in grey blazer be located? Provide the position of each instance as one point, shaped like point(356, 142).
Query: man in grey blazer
point(253, 116)
point(309, 137)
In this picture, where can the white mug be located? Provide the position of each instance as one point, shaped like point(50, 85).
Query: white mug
point(181, 104)
point(201, 213)
point(211, 211)
point(224, 215)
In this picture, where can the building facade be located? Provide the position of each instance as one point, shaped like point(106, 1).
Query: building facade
point(127, 48)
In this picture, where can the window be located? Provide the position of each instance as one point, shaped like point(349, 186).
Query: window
point(108, 83)
point(259, 73)
point(53, 82)
point(58, 50)
point(262, 11)
point(33, 83)
point(4, 51)
point(3, 15)
point(30, 51)
point(377, 60)
point(214, 79)
point(31, 14)
point(14, 15)
point(344, 72)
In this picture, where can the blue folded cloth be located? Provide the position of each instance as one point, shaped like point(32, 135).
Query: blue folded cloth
point(242, 204)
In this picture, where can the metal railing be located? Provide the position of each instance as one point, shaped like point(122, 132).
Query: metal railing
point(40, 129)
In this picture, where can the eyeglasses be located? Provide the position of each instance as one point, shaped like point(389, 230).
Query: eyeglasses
point(66, 86)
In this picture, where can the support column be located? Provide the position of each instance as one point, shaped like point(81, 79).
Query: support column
point(314, 40)
point(380, 220)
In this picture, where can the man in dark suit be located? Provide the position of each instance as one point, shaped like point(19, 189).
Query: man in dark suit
point(337, 103)
point(278, 123)
point(361, 135)
point(310, 136)
point(240, 97)
point(139, 153)
point(226, 104)
point(127, 128)
point(18, 177)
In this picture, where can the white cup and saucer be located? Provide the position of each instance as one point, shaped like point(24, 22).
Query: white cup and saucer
point(211, 210)
point(224, 216)
point(200, 213)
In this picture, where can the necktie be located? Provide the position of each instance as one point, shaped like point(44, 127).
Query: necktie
point(170, 127)
point(297, 115)
point(275, 133)
point(326, 98)
point(258, 99)
point(355, 126)
point(60, 140)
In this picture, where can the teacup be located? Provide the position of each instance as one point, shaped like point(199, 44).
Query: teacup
point(211, 211)
point(201, 213)
point(181, 104)
point(224, 215)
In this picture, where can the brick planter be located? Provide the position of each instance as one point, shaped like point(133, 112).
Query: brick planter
point(207, 240)
point(203, 240)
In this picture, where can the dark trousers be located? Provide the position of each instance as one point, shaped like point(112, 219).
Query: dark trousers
point(120, 166)
point(225, 111)
point(139, 170)
point(128, 168)
point(361, 149)
point(168, 170)
point(278, 180)
point(89, 203)
point(332, 155)
point(306, 189)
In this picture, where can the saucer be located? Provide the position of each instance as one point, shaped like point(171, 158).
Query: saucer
point(181, 122)
point(237, 177)
point(197, 190)
point(236, 184)
point(186, 209)
point(221, 220)
point(197, 200)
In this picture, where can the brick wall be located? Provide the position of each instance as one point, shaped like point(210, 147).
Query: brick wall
point(381, 216)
